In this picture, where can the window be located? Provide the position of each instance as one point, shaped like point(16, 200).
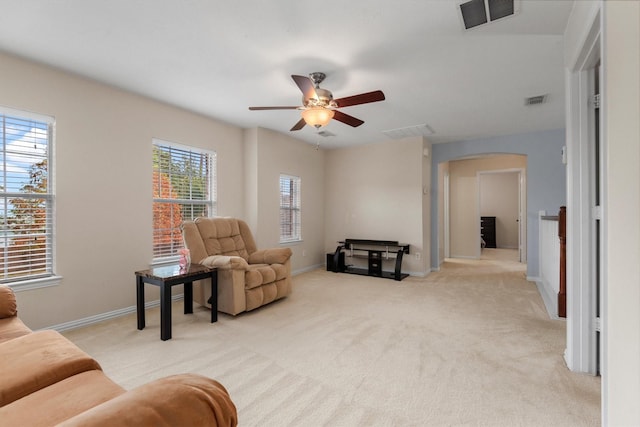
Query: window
point(290, 216)
point(26, 197)
point(183, 189)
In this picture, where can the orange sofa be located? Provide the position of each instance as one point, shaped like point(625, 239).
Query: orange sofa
point(46, 380)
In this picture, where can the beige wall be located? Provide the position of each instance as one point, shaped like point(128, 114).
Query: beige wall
point(621, 116)
point(464, 200)
point(103, 171)
point(275, 154)
point(375, 192)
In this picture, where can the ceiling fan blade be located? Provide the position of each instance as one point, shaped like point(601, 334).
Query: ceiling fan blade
point(363, 98)
point(347, 119)
point(272, 108)
point(306, 86)
point(298, 125)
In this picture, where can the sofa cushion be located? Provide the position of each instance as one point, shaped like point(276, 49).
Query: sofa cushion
point(178, 400)
point(60, 401)
point(37, 360)
point(8, 305)
point(12, 327)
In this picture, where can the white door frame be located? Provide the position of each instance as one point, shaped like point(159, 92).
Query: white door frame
point(581, 354)
point(446, 207)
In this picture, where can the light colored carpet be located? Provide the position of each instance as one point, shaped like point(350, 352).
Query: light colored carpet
point(469, 345)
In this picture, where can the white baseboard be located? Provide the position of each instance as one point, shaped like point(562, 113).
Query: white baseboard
point(548, 297)
point(306, 269)
point(74, 324)
point(464, 257)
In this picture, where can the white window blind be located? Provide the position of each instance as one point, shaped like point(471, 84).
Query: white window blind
point(290, 212)
point(183, 189)
point(26, 196)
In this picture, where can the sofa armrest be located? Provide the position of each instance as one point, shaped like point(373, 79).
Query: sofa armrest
point(224, 262)
point(8, 304)
point(270, 256)
point(178, 400)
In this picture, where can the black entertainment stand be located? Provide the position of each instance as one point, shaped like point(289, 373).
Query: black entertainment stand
point(375, 251)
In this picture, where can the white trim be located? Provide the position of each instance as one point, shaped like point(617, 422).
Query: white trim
point(27, 115)
point(580, 353)
point(446, 219)
point(310, 268)
point(547, 298)
point(30, 284)
point(80, 323)
point(464, 256)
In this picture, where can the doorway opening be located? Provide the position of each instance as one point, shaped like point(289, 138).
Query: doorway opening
point(491, 185)
point(501, 207)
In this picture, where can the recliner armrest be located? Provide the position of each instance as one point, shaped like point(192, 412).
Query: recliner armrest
point(224, 262)
point(270, 256)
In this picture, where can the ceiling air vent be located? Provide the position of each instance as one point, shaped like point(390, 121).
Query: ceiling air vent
point(418, 130)
point(478, 12)
point(535, 100)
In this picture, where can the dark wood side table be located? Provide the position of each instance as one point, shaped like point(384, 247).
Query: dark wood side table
point(167, 276)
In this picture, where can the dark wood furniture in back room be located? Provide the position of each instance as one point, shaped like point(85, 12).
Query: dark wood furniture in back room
point(167, 276)
point(488, 231)
point(375, 252)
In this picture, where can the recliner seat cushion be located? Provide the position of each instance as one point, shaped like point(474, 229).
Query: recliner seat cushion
point(258, 275)
point(280, 270)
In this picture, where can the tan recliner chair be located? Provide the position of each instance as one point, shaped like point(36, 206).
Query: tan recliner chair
point(248, 278)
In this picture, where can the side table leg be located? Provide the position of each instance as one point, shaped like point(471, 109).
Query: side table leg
point(214, 296)
point(165, 312)
point(188, 298)
point(140, 301)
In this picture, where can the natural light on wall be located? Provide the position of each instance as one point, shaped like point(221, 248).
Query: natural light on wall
point(26, 197)
point(290, 212)
point(184, 188)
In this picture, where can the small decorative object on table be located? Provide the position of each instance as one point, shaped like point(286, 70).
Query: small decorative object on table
point(185, 259)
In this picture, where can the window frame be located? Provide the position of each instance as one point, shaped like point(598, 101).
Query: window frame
point(48, 277)
point(211, 203)
point(295, 235)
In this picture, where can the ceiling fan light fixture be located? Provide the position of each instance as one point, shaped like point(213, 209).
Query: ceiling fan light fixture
point(317, 116)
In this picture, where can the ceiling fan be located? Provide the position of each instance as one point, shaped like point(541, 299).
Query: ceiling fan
point(318, 106)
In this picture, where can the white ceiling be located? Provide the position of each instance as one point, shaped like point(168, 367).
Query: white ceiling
point(219, 57)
